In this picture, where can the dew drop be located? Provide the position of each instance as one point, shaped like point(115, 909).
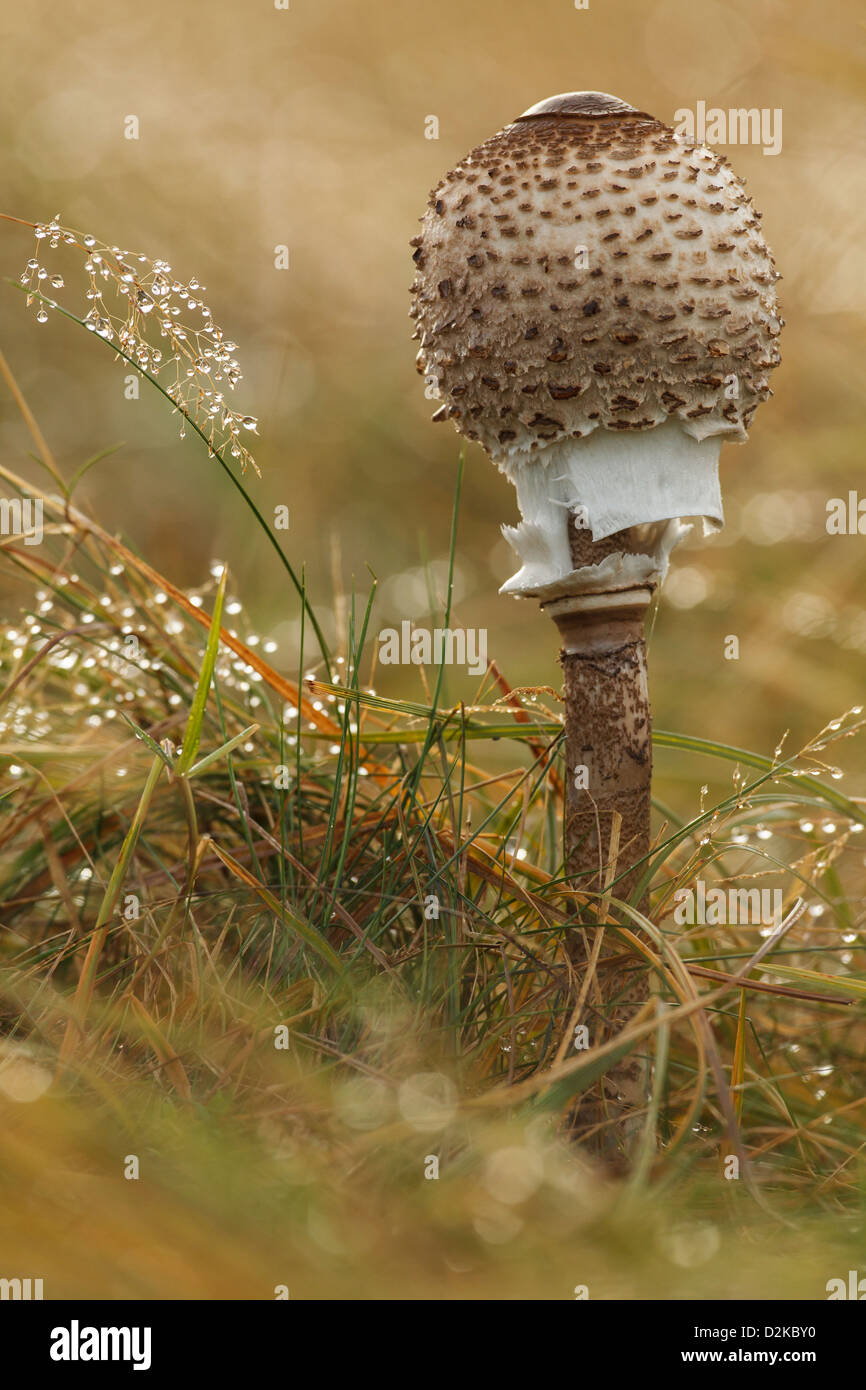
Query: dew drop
point(97, 324)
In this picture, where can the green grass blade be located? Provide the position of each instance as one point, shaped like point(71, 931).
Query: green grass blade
point(224, 748)
point(192, 734)
point(146, 738)
point(845, 986)
point(88, 464)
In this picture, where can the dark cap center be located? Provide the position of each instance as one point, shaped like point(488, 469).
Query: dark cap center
point(578, 104)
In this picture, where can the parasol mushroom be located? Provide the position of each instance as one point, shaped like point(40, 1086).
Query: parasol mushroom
point(596, 306)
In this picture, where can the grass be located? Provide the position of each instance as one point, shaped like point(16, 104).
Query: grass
point(299, 950)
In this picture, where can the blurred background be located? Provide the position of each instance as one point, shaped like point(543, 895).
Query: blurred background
point(306, 127)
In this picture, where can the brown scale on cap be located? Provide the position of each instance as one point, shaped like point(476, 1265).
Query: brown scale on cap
point(527, 345)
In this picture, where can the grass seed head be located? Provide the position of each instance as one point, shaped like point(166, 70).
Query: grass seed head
point(128, 294)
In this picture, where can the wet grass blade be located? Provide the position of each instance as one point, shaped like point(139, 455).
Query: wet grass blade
point(845, 987)
point(192, 734)
point(222, 751)
point(146, 739)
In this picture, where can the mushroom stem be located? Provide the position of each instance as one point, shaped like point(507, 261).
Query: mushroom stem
point(607, 734)
point(608, 753)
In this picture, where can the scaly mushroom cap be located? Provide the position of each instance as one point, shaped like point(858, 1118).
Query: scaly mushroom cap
point(587, 267)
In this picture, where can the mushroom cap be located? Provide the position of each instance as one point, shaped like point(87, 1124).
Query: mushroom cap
point(587, 267)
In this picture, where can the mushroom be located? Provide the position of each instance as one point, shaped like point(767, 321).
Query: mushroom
point(596, 306)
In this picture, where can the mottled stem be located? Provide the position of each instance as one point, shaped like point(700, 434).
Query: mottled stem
point(608, 754)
